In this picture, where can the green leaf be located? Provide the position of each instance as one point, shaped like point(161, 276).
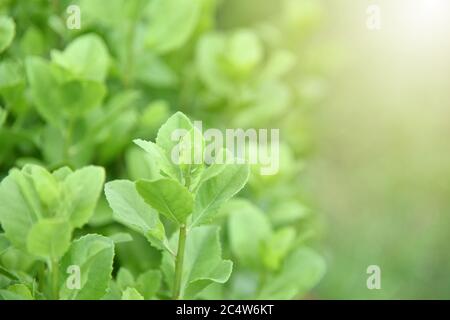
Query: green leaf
point(172, 22)
point(203, 264)
point(158, 156)
point(153, 71)
point(116, 13)
point(56, 95)
point(49, 238)
point(93, 254)
point(132, 211)
point(18, 262)
point(131, 294)
point(148, 283)
point(53, 145)
point(244, 52)
point(103, 216)
point(33, 41)
point(82, 189)
point(176, 121)
point(11, 74)
point(3, 115)
point(167, 138)
point(86, 57)
point(18, 207)
point(287, 212)
point(17, 292)
point(210, 51)
point(62, 173)
point(124, 278)
point(190, 155)
point(248, 228)
point(168, 197)
point(140, 165)
point(272, 100)
point(277, 247)
point(78, 97)
point(280, 63)
point(7, 31)
point(138, 255)
point(46, 185)
point(44, 80)
point(4, 243)
point(110, 14)
point(31, 196)
point(216, 191)
point(113, 292)
point(219, 164)
point(153, 116)
point(301, 271)
point(121, 237)
point(8, 274)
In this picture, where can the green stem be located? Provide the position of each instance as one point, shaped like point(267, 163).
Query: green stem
point(54, 270)
point(179, 263)
point(188, 181)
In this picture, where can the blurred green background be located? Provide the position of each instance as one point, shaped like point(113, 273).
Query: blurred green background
point(365, 119)
point(380, 170)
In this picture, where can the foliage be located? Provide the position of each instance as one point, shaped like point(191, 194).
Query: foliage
point(73, 101)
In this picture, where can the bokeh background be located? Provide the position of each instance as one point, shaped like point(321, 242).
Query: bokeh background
point(380, 169)
point(364, 117)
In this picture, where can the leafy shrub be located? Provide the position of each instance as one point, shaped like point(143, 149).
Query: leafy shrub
point(73, 98)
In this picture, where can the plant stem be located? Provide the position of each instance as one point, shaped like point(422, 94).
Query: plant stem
point(54, 270)
point(179, 263)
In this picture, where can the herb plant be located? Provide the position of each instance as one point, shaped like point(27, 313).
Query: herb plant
point(188, 196)
point(81, 106)
point(39, 211)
